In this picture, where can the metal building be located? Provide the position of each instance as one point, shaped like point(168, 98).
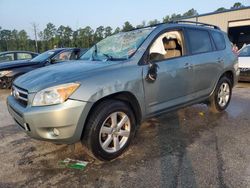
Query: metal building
point(235, 22)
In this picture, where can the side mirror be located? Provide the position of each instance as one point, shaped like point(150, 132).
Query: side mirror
point(52, 61)
point(152, 72)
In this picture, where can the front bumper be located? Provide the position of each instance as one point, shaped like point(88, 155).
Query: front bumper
point(244, 75)
point(38, 122)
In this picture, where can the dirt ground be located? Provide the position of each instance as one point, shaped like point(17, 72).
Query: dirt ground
point(186, 148)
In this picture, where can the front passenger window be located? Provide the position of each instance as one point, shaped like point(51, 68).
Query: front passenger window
point(64, 56)
point(168, 45)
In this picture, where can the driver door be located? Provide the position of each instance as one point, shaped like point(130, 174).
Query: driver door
point(174, 82)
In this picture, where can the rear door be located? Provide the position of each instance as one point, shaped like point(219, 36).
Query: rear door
point(207, 61)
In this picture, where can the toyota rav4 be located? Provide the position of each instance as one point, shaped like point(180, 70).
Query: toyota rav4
point(123, 80)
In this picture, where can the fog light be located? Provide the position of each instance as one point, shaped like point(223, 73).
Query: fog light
point(55, 132)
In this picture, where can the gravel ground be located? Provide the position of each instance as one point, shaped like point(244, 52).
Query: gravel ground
point(186, 148)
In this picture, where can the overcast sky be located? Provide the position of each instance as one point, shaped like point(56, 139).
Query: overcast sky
point(19, 14)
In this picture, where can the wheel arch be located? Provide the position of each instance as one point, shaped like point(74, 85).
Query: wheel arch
point(230, 75)
point(124, 96)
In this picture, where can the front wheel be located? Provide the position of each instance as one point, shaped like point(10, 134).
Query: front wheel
point(109, 130)
point(221, 97)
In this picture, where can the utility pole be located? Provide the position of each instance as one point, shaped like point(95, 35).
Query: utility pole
point(34, 27)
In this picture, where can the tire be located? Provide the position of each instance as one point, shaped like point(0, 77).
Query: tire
point(221, 97)
point(104, 138)
point(6, 83)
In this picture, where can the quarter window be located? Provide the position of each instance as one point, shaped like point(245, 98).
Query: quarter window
point(219, 40)
point(199, 41)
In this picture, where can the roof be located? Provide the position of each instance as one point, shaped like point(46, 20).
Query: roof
point(20, 51)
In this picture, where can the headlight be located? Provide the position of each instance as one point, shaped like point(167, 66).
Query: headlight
point(54, 95)
point(4, 73)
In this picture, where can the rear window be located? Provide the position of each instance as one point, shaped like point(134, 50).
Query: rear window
point(245, 52)
point(219, 40)
point(199, 41)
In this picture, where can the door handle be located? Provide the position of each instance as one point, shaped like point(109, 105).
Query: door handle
point(220, 60)
point(188, 66)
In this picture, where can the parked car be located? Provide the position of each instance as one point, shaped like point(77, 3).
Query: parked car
point(123, 80)
point(11, 70)
point(244, 63)
point(16, 55)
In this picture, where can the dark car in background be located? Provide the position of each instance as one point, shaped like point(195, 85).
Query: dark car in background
point(16, 55)
point(11, 70)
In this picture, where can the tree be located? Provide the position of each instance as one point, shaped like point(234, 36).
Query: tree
point(191, 12)
point(64, 36)
point(85, 37)
point(220, 9)
point(48, 35)
point(127, 26)
point(237, 5)
point(107, 31)
point(153, 22)
point(117, 30)
point(14, 43)
point(99, 34)
point(175, 17)
point(5, 37)
point(143, 24)
point(166, 19)
point(23, 38)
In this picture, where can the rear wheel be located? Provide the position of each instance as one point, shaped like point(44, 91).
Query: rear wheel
point(109, 130)
point(221, 97)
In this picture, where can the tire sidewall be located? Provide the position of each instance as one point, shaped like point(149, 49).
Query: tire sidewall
point(216, 100)
point(96, 148)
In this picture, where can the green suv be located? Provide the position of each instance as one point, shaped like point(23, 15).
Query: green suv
point(123, 80)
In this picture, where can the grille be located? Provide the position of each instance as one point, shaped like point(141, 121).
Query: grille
point(20, 95)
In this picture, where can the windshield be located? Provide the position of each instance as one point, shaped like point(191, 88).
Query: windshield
point(43, 56)
point(117, 47)
point(245, 52)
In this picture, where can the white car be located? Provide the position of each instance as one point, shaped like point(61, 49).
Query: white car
point(244, 63)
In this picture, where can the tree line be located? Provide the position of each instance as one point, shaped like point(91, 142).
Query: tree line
point(65, 36)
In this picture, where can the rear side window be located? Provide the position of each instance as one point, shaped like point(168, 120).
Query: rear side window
point(21, 56)
point(219, 40)
point(199, 41)
point(7, 57)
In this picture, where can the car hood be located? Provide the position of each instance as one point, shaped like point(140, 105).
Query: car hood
point(15, 64)
point(62, 73)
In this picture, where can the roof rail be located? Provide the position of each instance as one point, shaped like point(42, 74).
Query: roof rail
point(196, 23)
point(176, 22)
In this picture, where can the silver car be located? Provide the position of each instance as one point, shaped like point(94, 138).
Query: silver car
point(123, 80)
